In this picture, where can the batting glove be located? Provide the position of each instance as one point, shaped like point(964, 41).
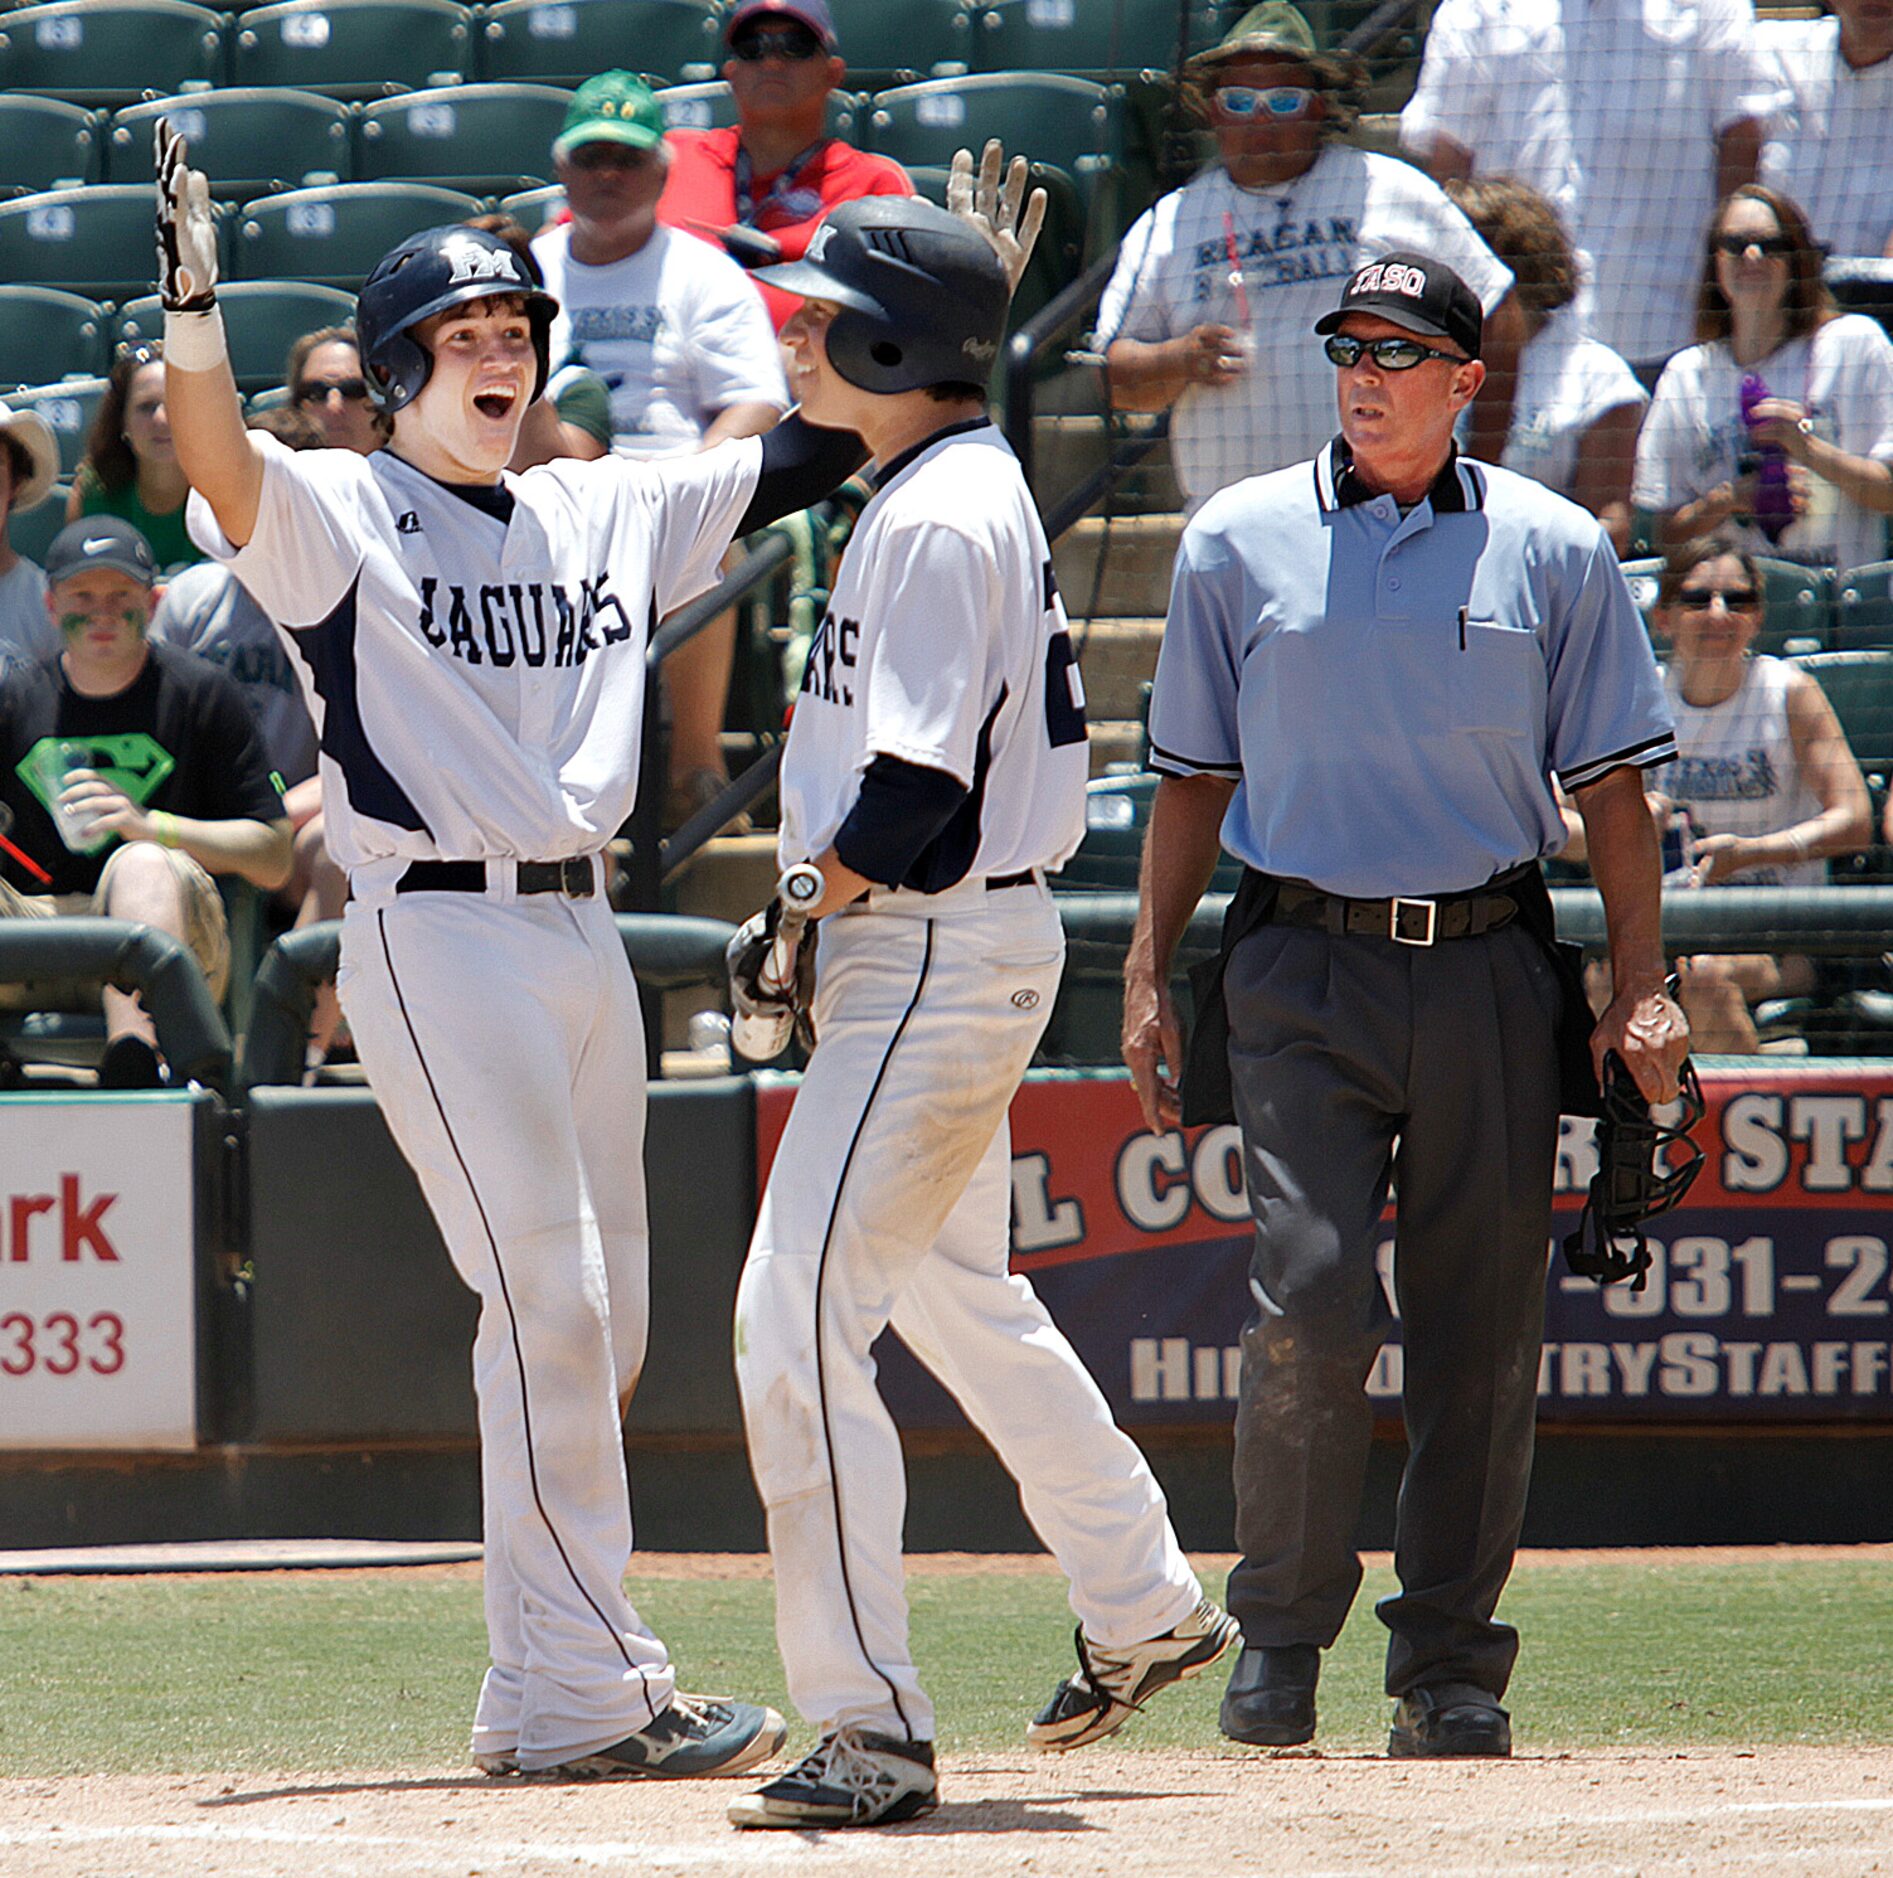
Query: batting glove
point(994, 208)
point(770, 1003)
point(187, 232)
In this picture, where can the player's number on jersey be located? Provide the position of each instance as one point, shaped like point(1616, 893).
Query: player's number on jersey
point(1064, 693)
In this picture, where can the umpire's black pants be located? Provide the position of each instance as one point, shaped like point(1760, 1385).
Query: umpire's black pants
point(1357, 1061)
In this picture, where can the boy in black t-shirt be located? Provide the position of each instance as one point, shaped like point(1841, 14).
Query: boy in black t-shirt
point(134, 773)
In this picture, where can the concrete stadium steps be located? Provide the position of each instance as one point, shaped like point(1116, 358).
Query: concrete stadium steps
point(1118, 658)
point(1138, 553)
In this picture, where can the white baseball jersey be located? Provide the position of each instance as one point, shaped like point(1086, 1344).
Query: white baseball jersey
point(478, 687)
point(1833, 148)
point(677, 331)
point(1293, 246)
point(944, 644)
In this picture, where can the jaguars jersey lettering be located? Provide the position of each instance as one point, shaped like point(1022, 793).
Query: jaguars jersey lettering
point(478, 686)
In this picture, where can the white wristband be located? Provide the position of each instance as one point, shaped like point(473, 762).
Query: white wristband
point(1801, 842)
point(194, 342)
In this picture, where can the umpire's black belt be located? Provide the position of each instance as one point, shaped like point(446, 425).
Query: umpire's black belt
point(1407, 921)
point(574, 876)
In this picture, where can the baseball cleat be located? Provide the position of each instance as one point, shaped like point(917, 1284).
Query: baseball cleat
point(497, 1765)
point(1111, 1685)
point(696, 1735)
point(852, 1778)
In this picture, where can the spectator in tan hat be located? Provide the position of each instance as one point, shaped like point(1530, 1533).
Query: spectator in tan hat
point(29, 466)
point(1217, 285)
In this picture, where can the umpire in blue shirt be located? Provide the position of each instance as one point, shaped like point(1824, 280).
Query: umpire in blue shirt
point(1374, 666)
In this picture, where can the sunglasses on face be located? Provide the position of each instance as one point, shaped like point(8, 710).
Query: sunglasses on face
point(1391, 355)
point(1246, 101)
point(1773, 246)
point(1736, 599)
point(320, 390)
point(796, 45)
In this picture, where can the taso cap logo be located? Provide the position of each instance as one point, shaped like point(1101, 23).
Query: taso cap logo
point(471, 260)
point(1389, 277)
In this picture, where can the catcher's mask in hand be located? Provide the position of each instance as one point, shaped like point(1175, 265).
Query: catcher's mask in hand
point(1643, 1169)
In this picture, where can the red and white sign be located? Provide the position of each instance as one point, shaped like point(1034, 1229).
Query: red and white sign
point(98, 1317)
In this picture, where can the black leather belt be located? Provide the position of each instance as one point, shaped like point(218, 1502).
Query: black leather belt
point(994, 882)
point(1409, 922)
point(574, 876)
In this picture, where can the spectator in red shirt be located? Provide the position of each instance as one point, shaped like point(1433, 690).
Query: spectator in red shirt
point(776, 173)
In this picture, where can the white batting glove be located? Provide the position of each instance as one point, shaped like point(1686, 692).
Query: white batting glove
point(187, 232)
point(995, 209)
point(762, 993)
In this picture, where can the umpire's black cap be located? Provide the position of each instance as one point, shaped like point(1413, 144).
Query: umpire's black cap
point(1414, 291)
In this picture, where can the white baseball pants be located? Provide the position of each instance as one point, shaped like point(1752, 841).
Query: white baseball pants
point(889, 1202)
point(504, 1042)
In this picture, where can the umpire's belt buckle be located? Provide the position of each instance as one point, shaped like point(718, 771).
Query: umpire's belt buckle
point(1413, 922)
point(575, 876)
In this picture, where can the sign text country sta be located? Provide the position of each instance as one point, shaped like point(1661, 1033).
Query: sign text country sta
point(1771, 1299)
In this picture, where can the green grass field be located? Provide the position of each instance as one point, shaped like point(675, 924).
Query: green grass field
point(307, 1674)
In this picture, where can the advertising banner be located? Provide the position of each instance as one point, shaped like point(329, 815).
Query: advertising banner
point(98, 1340)
point(1770, 1298)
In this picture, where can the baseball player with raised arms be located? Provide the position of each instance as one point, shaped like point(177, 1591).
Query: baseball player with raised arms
point(471, 645)
point(934, 775)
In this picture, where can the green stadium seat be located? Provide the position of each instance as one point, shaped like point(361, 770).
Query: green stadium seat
point(1645, 576)
point(94, 241)
point(46, 143)
point(564, 42)
point(263, 319)
point(247, 141)
point(488, 139)
point(110, 52)
point(1086, 38)
point(530, 207)
point(335, 235)
point(67, 408)
point(1864, 609)
point(31, 530)
point(1859, 685)
point(47, 334)
point(893, 44)
point(1057, 259)
point(711, 106)
point(353, 48)
point(1797, 608)
point(1066, 123)
point(1117, 813)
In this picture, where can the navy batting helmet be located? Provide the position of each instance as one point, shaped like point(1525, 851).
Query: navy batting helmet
point(923, 297)
point(425, 275)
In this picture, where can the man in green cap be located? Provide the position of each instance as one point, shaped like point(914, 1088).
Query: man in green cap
point(680, 335)
point(1218, 285)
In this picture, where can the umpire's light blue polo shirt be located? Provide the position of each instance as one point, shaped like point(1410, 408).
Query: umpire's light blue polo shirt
point(1392, 695)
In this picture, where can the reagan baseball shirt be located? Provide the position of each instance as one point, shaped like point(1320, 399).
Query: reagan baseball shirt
point(1291, 244)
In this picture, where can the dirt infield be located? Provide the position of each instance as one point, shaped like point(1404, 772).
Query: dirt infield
point(1107, 1813)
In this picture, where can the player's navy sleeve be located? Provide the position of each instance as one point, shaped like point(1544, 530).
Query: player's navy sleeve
point(901, 807)
point(1605, 705)
point(801, 464)
point(1194, 726)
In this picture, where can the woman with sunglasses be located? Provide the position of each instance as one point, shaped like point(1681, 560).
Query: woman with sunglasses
point(326, 385)
point(130, 469)
point(1780, 420)
point(1763, 773)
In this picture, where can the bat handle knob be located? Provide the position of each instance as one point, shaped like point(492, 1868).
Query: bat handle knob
point(801, 886)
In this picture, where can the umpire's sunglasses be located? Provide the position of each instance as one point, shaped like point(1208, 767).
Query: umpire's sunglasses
point(1243, 102)
point(1391, 355)
point(795, 43)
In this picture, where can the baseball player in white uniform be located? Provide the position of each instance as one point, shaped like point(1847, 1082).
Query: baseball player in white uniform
point(471, 645)
point(934, 774)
